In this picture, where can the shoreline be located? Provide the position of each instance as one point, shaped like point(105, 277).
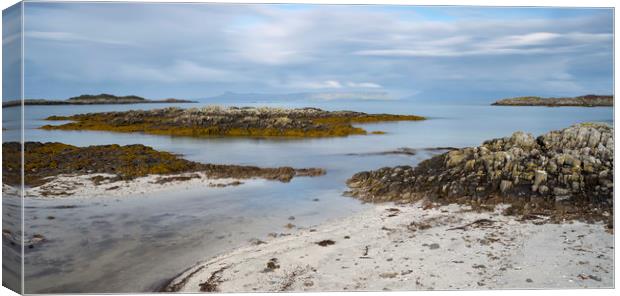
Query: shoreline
point(395, 247)
point(83, 187)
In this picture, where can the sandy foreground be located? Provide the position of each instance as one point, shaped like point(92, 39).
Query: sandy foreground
point(81, 186)
point(406, 247)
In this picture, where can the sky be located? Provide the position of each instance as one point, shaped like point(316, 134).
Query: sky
point(202, 50)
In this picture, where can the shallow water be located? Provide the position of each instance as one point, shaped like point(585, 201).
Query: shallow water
point(135, 243)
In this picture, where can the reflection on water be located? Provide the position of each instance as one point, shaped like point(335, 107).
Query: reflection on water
point(135, 243)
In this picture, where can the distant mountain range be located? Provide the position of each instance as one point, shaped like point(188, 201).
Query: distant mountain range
point(101, 99)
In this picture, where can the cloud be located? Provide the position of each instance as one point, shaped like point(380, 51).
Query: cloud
point(331, 84)
point(531, 43)
point(206, 49)
point(179, 71)
point(71, 37)
point(363, 85)
point(360, 96)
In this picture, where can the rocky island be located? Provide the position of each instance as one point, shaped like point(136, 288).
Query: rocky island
point(565, 174)
point(101, 99)
point(582, 101)
point(233, 122)
point(57, 169)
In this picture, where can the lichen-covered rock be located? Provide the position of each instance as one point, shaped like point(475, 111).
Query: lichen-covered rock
point(566, 171)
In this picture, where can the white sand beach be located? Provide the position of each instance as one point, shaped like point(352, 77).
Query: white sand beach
point(82, 186)
point(414, 247)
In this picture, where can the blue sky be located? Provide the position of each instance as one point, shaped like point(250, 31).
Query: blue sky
point(202, 50)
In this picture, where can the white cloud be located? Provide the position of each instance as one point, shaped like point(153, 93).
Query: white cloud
point(330, 84)
point(363, 85)
point(316, 85)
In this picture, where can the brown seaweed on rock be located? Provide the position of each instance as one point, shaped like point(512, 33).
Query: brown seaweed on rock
point(566, 173)
point(43, 160)
point(215, 121)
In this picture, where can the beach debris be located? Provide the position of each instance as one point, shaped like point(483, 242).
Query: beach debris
point(212, 283)
point(365, 254)
point(325, 242)
point(475, 223)
point(272, 265)
point(256, 242)
point(35, 240)
point(583, 276)
point(388, 275)
point(413, 226)
point(291, 277)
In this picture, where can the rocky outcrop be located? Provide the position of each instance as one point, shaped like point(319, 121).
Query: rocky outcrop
point(561, 172)
point(233, 121)
point(101, 99)
point(45, 160)
point(582, 101)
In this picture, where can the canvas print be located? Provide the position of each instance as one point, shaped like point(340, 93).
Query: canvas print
point(220, 147)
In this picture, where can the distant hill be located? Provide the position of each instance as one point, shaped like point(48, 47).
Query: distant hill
point(101, 99)
point(582, 101)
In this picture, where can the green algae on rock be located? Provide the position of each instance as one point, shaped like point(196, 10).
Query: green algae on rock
point(566, 173)
point(213, 121)
point(44, 160)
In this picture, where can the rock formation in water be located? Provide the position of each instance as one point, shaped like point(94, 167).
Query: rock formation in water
point(582, 101)
point(562, 172)
point(45, 160)
point(233, 122)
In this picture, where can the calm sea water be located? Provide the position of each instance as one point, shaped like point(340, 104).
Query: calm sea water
point(135, 243)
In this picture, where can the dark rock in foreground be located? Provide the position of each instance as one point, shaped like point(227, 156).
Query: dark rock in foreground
point(101, 99)
point(582, 101)
point(44, 160)
point(567, 173)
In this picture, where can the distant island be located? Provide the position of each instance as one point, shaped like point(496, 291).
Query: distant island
point(101, 99)
point(582, 101)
